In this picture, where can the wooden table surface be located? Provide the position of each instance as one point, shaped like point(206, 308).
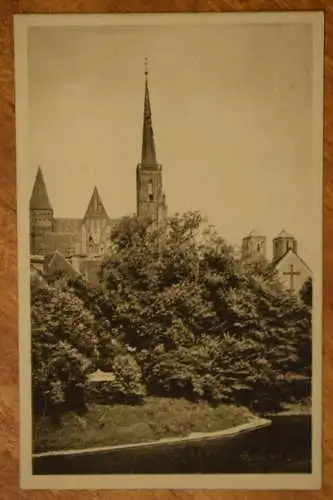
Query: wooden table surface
point(9, 463)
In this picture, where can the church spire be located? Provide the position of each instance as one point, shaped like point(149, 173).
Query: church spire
point(148, 155)
point(39, 198)
point(151, 203)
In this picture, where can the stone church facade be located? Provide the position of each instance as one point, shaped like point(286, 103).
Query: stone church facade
point(84, 242)
point(80, 237)
point(293, 272)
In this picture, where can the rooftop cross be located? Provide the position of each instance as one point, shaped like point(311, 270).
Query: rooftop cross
point(291, 275)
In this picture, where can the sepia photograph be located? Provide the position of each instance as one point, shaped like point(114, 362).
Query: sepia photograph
point(169, 190)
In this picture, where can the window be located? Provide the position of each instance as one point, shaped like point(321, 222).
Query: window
point(150, 191)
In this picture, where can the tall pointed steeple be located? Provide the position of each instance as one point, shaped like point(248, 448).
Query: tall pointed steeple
point(148, 154)
point(151, 202)
point(39, 198)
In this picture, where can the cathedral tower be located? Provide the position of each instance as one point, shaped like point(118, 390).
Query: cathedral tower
point(254, 246)
point(41, 216)
point(282, 243)
point(151, 201)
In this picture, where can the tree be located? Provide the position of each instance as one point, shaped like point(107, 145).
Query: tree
point(176, 290)
point(223, 369)
point(177, 306)
point(64, 344)
point(71, 337)
point(306, 292)
point(152, 278)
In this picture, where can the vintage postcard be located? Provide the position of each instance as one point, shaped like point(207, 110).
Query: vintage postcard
point(169, 187)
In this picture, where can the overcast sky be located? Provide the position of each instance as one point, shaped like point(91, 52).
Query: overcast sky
point(231, 109)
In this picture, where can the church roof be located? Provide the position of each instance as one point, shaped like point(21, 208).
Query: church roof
point(56, 261)
point(95, 206)
point(39, 198)
point(284, 234)
point(284, 256)
point(148, 153)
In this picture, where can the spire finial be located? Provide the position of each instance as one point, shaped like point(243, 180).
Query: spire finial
point(146, 67)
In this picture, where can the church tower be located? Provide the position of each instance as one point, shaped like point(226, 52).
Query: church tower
point(254, 246)
point(151, 201)
point(282, 243)
point(41, 216)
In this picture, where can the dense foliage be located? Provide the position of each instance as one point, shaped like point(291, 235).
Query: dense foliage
point(176, 314)
point(69, 341)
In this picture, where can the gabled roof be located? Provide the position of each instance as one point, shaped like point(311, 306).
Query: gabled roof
point(281, 259)
point(57, 261)
point(39, 198)
point(95, 206)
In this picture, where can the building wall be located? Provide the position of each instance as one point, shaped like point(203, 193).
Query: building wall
point(95, 235)
point(90, 237)
point(284, 266)
point(282, 245)
point(254, 247)
point(150, 198)
point(41, 224)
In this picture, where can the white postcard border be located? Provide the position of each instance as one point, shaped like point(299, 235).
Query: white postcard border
point(127, 481)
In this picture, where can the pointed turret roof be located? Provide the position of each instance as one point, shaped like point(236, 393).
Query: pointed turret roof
point(148, 153)
point(96, 207)
point(39, 198)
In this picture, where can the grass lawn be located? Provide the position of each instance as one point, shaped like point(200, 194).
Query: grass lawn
point(119, 424)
